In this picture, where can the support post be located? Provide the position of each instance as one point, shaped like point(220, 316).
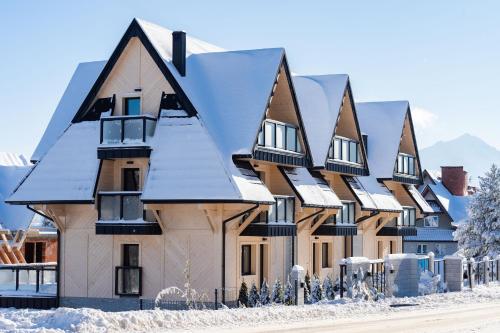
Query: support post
point(216, 300)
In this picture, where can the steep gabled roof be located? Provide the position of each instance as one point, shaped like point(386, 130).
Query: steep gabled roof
point(383, 122)
point(59, 179)
point(371, 194)
point(186, 166)
point(78, 88)
point(13, 169)
point(320, 101)
point(455, 206)
point(230, 91)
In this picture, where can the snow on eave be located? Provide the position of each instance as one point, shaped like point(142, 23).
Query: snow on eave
point(78, 87)
point(383, 122)
point(319, 100)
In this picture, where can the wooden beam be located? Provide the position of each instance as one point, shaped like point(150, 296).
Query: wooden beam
point(382, 224)
point(4, 256)
point(56, 220)
point(19, 255)
point(6, 242)
point(251, 217)
point(320, 221)
point(160, 221)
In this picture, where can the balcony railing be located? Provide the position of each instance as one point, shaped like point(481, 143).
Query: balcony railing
point(128, 280)
point(127, 206)
point(127, 129)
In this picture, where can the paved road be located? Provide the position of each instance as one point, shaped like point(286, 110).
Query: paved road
point(460, 318)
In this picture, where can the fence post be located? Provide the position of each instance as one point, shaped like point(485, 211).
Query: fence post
point(469, 272)
point(141, 307)
point(37, 280)
point(342, 267)
point(498, 263)
point(296, 292)
point(215, 303)
point(17, 279)
point(486, 269)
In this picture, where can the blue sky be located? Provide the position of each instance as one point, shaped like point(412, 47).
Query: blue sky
point(442, 56)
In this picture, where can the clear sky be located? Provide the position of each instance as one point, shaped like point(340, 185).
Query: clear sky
point(442, 56)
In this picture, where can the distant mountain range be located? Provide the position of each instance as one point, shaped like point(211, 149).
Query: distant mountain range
point(473, 153)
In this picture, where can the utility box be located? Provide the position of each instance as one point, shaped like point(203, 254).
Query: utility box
point(298, 281)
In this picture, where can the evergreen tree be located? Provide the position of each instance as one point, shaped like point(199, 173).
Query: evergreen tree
point(316, 290)
point(307, 287)
point(253, 296)
point(289, 296)
point(328, 288)
point(479, 235)
point(243, 295)
point(264, 294)
point(277, 293)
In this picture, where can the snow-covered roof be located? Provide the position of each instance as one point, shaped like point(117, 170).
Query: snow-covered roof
point(383, 122)
point(13, 169)
point(320, 100)
point(185, 165)
point(67, 172)
point(161, 38)
point(431, 235)
point(313, 191)
point(456, 206)
point(230, 90)
point(383, 198)
point(424, 206)
point(78, 88)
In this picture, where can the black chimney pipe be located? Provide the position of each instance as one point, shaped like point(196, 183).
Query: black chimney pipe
point(179, 51)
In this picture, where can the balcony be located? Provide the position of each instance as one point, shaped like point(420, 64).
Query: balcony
point(122, 213)
point(341, 224)
point(128, 281)
point(126, 136)
point(277, 221)
point(344, 156)
point(404, 225)
point(280, 143)
point(405, 170)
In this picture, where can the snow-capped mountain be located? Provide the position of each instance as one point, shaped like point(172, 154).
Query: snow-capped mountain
point(470, 151)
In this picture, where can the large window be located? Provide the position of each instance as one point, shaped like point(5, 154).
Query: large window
point(246, 260)
point(280, 136)
point(132, 106)
point(281, 212)
point(346, 214)
point(128, 276)
point(345, 150)
point(407, 217)
point(33, 252)
point(431, 221)
point(406, 165)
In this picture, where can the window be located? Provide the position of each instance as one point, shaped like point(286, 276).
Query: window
point(346, 214)
point(282, 211)
point(132, 106)
point(33, 252)
point(280, 136)
point(325, 255)
point(346, 150)
point(407, 217)
point(246, 260)
point(422, 248)
point(130, 179)
point(128, 277)
point(431, 221)
point(405, 165)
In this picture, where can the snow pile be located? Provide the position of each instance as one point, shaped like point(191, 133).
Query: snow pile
point(430, 283)
point(90, 320)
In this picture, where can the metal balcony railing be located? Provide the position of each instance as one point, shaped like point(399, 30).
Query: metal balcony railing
point(115, 206)
point(127, 129)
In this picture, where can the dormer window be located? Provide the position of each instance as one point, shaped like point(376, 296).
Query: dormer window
point(345, 150)
point(405, 165)
point(279, 135)
point(132, 106)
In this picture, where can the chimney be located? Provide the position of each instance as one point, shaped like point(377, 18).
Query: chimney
point(179, 51)
point(455, 179)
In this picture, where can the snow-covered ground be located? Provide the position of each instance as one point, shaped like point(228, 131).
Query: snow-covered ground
point(270, 318)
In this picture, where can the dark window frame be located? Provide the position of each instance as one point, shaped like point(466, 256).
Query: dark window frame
point(261, 141)
point(350, 220)
point(126, 105)
point(332, 151)
point(325, 255)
